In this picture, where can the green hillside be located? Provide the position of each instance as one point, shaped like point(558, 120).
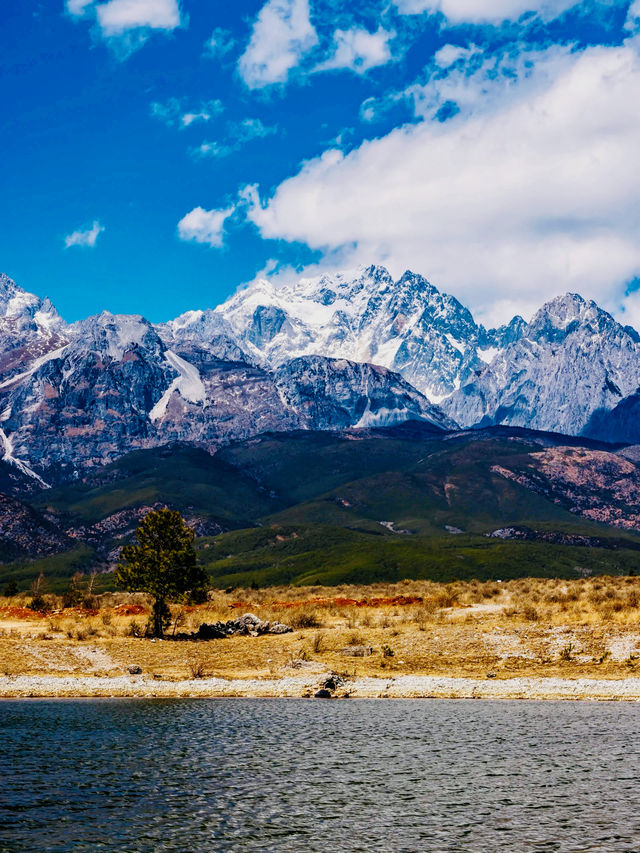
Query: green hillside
point(318, 554)
point(309, 507)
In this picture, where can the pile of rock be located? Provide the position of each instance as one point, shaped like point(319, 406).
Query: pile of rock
point(329, 686)
point(248, 625)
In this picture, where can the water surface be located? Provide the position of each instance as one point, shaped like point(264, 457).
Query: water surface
point(303, 775)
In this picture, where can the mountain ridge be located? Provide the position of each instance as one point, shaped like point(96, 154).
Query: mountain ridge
point(354, 349)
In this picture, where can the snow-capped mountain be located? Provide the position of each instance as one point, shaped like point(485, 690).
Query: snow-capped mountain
point(352, 350)
point(571, 361)
point(113, 383)
point(30, 329)
point(407, 326)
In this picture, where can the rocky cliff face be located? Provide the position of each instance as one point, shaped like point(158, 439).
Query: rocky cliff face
point(407, 326)
point(30, 329)
point(351, 350)
point(571, 363)
point(110, 384)
point(572, 360)
point(27, 532)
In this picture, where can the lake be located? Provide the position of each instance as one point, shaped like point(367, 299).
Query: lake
point(311, 775)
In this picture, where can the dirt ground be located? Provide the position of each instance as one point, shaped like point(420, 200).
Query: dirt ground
point(485, 632)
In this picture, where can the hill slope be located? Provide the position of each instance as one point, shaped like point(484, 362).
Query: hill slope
point(371, 504)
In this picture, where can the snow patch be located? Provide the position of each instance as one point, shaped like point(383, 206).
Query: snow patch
point(188, 384)
point(488, 354)
point(383, 417)
point(454, 343)
point(20, 304)
point(38, 362)
point(7, 456)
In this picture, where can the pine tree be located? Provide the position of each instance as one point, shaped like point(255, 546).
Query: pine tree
point(163, 563)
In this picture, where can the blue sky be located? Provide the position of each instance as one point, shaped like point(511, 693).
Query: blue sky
point(156, 154)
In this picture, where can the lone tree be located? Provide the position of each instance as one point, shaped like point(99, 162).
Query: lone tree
point(163, 563)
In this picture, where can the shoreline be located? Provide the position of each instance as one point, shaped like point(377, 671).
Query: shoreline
point(400, 687)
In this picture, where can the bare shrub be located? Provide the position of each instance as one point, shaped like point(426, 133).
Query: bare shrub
point(447, 597)
point(304, 619)
point(198, 668)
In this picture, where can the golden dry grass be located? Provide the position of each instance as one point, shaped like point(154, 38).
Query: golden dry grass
point(588, 627)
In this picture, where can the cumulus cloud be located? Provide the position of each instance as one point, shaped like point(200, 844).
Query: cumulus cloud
point(449, 54)
point(532, 197)
point(174, 112)
point(282, 35)
point(86, 237)
point(633, 17)
point(358, 50)
point(478, 81)
point(204, 226)
point(489, 11)
point(126, 24)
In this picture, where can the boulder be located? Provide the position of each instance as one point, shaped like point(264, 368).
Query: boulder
point(333, 682)
point(134, 669)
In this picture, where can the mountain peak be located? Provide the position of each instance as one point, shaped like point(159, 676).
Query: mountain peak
point(114, 334)
point(565, 315)
point(14, 300)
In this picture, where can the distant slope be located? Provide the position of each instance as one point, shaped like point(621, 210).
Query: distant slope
point(408, 500)
point(186, 478)
point(321, 554)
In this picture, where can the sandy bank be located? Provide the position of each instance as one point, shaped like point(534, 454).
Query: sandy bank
point(401, 687)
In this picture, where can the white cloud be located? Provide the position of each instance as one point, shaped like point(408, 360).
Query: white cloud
point(358, 50)
point(485, 11)
point(78, 8)
point(118, 16)
point(191, 118)
point(282, 35)
point(478, 82)
point(219, 44)
point(84, 237)
point(211, 149)
point(633, 17)
point(126, 24)
point(250, 128)
point(173, 112)
point(534, 196)
point(449, 54)
point(238, 133)
point(204, 226)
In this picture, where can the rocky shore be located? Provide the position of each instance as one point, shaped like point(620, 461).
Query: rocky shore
point(307, 685)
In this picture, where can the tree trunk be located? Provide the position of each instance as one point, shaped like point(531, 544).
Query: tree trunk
point(159, 608)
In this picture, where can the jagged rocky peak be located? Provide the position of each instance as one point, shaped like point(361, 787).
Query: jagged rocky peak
point(501, 336)
point(332, 393)
point(14, 300)
point(202, 336)
point(364, 315)
point(572, 360)
point(17, 304)
point(567, 314)
point(115, 335)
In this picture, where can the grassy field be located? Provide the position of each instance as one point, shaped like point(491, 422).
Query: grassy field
point(534, 627)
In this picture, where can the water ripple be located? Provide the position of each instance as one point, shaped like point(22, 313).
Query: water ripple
point(298, 775)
